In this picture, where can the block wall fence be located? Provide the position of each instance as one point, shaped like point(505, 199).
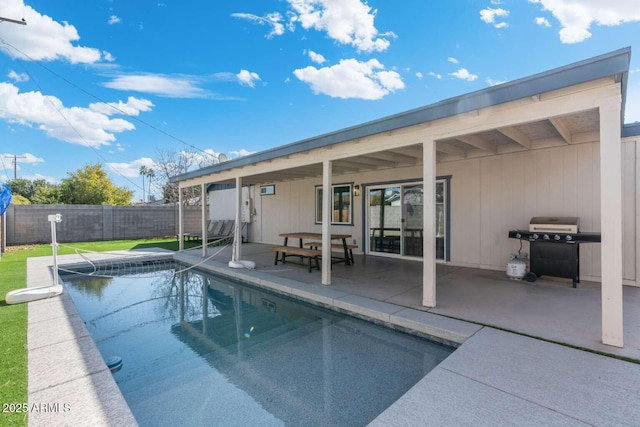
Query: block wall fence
point(28, 224)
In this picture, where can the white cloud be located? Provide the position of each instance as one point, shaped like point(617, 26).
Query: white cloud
point(18, 77)
point(543, 22)
point(419, 75)
point(113, 19)
point(464, 74)
point(247, 78)
point(316, 57)
point(273, 20)
point(346, 21)
point(241, 153)
point(453, 60)
point(436, 75)
point(576, 17)
point(132, 169)
point(351, 79)
point(349, 22)
point(501, 25)
point(118, 147)
point(489, 14)
point(46, 40)
point(77, 125)
point(169, 86)
point(493, 82)
point(108, 57)
point(132, 107)
point(49, 179)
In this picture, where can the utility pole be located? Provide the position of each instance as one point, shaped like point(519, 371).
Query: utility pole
point(15, 164)
point(3, 223)
point(13, 21)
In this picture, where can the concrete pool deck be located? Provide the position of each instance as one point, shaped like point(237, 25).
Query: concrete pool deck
point(494, 377)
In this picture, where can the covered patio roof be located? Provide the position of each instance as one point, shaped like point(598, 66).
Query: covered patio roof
point(528, 134)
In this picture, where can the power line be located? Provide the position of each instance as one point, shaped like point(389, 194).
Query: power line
point(137, 119)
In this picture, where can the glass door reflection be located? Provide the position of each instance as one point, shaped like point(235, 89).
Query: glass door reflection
point(384, 219)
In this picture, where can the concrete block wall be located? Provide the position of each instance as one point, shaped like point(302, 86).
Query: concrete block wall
point(27, 224)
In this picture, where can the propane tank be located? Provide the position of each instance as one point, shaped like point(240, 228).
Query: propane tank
point(516, 268)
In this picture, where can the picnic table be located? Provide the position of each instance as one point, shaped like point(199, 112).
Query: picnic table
point(314, 250)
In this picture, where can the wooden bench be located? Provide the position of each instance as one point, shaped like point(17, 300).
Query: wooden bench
point(301, 252)
point(335, 246)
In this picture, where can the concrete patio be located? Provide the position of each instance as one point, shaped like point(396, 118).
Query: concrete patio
point(549, 308)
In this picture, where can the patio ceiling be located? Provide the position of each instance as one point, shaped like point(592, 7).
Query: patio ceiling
point(576, 128)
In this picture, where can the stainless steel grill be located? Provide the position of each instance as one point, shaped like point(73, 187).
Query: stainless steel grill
point(555, 246)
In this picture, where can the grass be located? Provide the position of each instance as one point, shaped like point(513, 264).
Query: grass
point(13, 318)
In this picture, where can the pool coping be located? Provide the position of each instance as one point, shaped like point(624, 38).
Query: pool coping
point(84, 392)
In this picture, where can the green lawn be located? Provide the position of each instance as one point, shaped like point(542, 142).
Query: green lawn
point(13, 318)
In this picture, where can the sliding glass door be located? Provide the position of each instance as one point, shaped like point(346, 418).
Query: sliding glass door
point(395, 219)
point(384, 219)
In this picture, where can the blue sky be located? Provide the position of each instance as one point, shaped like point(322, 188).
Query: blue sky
point(236, 77)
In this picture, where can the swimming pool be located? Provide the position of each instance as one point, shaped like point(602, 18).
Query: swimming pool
point(200, 349)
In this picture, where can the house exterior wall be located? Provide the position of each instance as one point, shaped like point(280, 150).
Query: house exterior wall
point(222, 204)
point(489, 196)
point(495, 194)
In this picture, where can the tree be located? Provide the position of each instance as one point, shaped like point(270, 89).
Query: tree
point(46, 194)
point(151, 174)
point(145, 171)
point(90, 185)
point(172, 163)
point(37, 191)
point(18, 199)
point(22, 187)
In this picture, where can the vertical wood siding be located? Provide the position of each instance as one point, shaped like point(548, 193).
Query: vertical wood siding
point(489, 197)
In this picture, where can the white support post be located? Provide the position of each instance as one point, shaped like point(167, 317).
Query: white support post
point(237, 240)
point(203, 200)
point(327, 210)
point(429, 224)
point(180, 222)
point(611, 221)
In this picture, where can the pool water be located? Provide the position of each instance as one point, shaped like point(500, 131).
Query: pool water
point(199, 349)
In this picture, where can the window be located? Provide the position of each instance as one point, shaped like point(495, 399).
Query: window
point(342, 202)
point(267, 190)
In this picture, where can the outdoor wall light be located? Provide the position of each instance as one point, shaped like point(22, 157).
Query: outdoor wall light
point(356, 190)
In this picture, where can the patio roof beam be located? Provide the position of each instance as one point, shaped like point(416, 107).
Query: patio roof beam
point(411, 150)
point(477, 142)
point(562, 128)
point(394, 157)
point(354, 165)
point(372, 162)
point(448, 148)
point(515, 135)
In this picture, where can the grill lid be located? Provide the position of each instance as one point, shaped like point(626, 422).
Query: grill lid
point(566, 224)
